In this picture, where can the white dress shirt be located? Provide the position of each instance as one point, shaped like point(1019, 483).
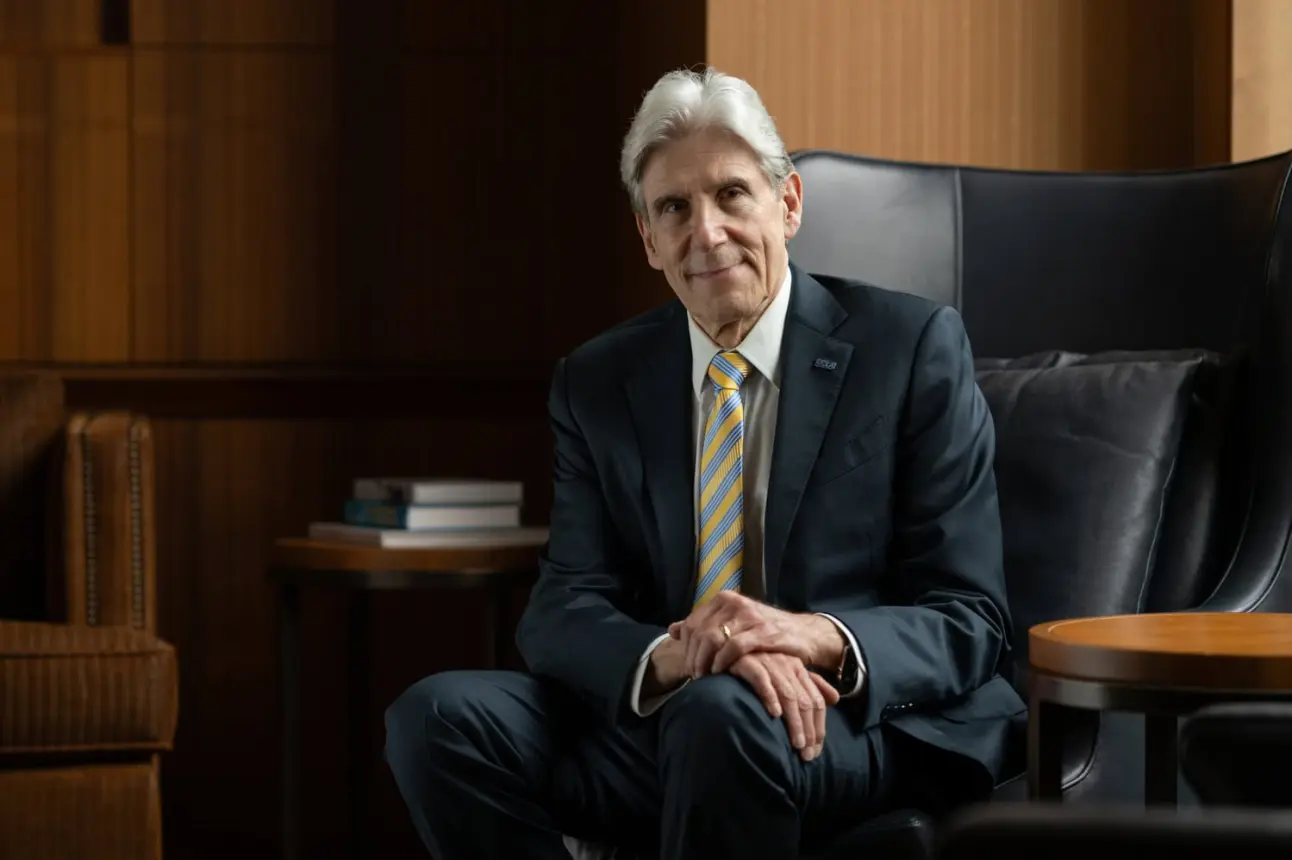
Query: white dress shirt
point(760, 394)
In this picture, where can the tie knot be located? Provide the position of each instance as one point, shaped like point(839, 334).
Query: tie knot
point(728, 370)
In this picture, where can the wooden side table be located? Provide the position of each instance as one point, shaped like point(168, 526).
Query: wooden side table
point(297, 564)
point(1161, 665)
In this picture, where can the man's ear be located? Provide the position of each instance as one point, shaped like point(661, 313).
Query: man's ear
point(792, 203)
point(648, 241)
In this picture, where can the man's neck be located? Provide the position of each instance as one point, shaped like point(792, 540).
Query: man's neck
point(731, 335)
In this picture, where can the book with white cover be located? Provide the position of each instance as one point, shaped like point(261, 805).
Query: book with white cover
point(405, 539)
point(439, 491)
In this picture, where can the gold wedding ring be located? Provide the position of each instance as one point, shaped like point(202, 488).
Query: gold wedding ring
point(726, 632)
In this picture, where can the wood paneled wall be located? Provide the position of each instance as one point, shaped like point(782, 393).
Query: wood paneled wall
point(313, 239)
point(1262, 78)
point(1039, 84)
point(317, 239)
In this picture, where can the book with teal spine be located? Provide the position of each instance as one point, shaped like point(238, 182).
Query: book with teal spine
point(362, 512)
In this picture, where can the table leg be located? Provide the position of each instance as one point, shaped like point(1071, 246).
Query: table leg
point(289, 705)
point(359, 689)
point(1044, 751)
point(499, 632)
point(1161, 763)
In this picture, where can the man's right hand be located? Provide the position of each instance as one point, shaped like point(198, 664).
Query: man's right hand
point(790, 691)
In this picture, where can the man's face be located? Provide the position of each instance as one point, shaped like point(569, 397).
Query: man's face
point(716, 228)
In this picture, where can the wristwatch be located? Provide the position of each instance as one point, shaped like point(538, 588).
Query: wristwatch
point(844, 676)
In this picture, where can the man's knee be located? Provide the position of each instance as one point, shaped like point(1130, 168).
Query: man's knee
point(428, 711)
point(718, 720)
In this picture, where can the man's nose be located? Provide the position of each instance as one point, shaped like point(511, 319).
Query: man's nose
point(708, 227)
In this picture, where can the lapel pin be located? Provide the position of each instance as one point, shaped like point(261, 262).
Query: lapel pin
point(825, 363)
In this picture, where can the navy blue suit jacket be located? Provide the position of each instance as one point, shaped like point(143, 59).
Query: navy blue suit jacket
point(881, 510)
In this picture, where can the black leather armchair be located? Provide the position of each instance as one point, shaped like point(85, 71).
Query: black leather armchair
point(1095, 265)
point(1092, 263)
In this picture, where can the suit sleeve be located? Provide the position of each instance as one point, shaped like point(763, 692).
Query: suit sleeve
point(574, 629)
point(949, 627)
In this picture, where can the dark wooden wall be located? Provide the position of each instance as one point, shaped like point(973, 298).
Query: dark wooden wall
point(313, 239)
point(318, 239)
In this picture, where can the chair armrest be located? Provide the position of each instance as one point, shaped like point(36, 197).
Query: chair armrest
point(68, 688)
point(1239, 754)
point(109, 538)
point(1002, 831)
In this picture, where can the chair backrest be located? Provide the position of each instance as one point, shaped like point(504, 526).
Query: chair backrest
point(1098, 262)
point(31, 433)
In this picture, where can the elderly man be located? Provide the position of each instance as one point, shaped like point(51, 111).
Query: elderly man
point(772, 602)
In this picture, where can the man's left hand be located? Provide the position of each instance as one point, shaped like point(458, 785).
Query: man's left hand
point(753, 627)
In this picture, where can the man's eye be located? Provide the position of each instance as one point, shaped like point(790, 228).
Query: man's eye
point(670, 207)
point(732, 191)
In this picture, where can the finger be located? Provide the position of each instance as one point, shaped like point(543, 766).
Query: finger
point(830, 697)
point(675, 629)
point(700, 651)
point(813, 707)
point(818, 707)
point(698, 624)
point(740, 644)
point(828, 691)
point(757, 676)
point(793, 710)
point(701, 616)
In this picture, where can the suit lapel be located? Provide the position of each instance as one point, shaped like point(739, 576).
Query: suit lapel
point(813, 367)
point(660, 396)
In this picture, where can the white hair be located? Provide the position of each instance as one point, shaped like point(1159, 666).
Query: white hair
point(684, 102)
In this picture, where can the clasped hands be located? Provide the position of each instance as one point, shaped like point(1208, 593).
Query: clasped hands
point(768, 648)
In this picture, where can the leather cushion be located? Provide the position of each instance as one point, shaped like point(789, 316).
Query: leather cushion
point(67, 688)
point(1205, 507)
point(1084, 454)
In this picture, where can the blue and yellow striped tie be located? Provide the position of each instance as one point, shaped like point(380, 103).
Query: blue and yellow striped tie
point(722, 496)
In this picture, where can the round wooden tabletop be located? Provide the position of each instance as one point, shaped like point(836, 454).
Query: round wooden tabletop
point(303, 554)
point(1197, 650)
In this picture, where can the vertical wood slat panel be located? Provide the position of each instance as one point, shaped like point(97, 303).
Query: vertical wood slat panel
point(90, 178)
point(1262, 78)
point(1033, 84)
point(64, 194)
point(179, 23)
point(234, 206)
point(1212, 80)
point(49, 23)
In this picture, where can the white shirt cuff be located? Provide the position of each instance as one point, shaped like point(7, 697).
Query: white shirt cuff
point(856, 653)
point(652, 703)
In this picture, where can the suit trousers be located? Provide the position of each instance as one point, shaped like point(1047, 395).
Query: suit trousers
point(502, 764)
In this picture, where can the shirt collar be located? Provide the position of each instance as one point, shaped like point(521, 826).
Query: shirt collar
point(761, 346)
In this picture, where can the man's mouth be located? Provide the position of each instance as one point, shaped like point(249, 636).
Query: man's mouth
point(714, 273)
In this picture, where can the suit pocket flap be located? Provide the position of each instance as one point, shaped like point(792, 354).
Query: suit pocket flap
point(861, 447)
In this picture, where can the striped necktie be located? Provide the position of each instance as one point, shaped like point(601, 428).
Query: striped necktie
point(722, 508)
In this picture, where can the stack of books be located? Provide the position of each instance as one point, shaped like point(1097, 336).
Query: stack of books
point(432, 512)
